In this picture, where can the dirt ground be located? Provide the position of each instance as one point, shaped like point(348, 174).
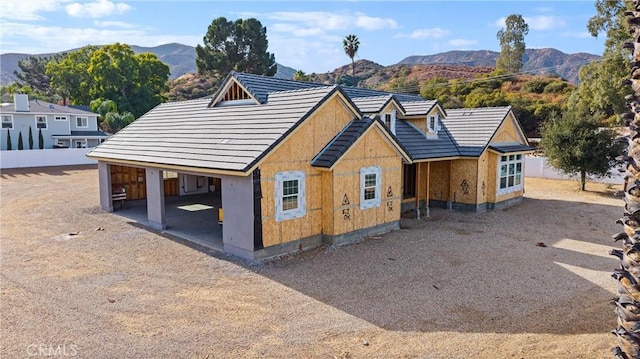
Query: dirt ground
point(455, 285)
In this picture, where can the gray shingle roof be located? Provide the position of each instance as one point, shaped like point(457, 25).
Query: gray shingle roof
point(372, 104)
point(356, 92)
point(190, 133)
point(472, 128)
point(38, 106)
point(420, 148)
point(421, 107)
point(511, 147)
point(341, 143)
point(260, 86)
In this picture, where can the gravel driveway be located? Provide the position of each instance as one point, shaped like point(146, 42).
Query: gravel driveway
point(77, 281)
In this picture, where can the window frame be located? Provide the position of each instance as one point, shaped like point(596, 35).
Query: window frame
point(60, 118)
point(300, 209)
point(513, 179)
point(84, 142)
point(377, 199)
point(46, 122)
point(10, 117)
point(86, 121)
point(436, 123)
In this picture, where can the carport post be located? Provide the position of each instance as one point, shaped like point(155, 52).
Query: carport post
point(155, 199)
point(104, 181)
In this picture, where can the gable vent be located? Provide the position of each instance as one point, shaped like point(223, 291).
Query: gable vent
point(235, 92)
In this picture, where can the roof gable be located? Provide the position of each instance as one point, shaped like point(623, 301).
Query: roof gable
point(473, 128)
point(331, 154)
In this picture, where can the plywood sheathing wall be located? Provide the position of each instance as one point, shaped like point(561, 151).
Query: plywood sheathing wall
point(439, 179)
point(492, 176)
point(507, 132)
point(132, 179)
point(371, 150)
point(419, 122)
point(295, 154)
point(464, 181)
point(482, 182)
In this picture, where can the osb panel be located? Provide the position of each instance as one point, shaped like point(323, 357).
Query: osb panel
point(127, 177)
point(327, 203)
point(390, 107)
point(420, 123)
point(372, 150)
point(492, 176)
point(295, 154)
point(482, 189)
point(464, 172)
point(507, 132)
point(439, 179)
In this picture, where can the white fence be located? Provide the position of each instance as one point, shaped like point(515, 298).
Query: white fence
point(539, 167)
point(44, 158)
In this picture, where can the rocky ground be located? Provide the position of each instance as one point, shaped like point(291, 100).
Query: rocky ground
point(530, 281)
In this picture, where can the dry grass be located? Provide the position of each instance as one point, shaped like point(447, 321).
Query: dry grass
point(456, 285)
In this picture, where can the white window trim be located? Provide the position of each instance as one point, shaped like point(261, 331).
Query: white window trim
point(392, 125)
point(60, 118)
point(436, 126)
point(300, 211)
point(515, 161)
point(86, 121)
point(46, 122)
point(8, 128)
point(76, 141)
point(375, 202)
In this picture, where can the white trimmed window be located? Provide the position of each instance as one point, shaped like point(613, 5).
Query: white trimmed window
point(510, 174)
point(82, 122)
point(80, 143)
point(41, 122)
point(7, 122)
point(390, 121)
point(433, 123)
point(60, 118)
point(290, 195)
point(370, 184)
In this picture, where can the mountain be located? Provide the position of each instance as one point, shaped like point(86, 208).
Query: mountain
point(180, 58)
point(536, 61)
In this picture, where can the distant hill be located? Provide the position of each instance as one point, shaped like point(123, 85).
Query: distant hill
point(536, 61)
point(180, 58)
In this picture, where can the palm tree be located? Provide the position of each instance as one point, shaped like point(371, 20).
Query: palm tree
point(350, 45)
point(300, 76)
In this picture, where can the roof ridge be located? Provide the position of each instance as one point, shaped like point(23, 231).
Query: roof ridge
point(304, 89)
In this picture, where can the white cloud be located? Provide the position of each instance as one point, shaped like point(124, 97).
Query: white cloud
point(327, 20)
point(421, 34)
point(577, 34)
point(44, 39)
point(24, 10)
point(120, 24)
point(462, 43)
point(540, 22)
point(100, 8)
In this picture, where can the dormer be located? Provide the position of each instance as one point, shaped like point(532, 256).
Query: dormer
point(388, 115)
point(433, 123)
point(233, 93)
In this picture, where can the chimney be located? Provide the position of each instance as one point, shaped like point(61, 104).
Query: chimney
point(21, 102)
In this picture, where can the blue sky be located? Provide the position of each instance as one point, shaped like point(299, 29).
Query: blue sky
point(302, 34)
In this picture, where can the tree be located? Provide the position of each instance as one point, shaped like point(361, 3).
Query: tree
point(69, 75)
point(512, 44)
point(300, 76)
point(350, 44)
point(579, 145)
point(20, 144)
point(115, 121)
point(114, 72)
point(33, 74)
point(239, 45)
point(9, 144)
point(40, 139)
point(30, 138)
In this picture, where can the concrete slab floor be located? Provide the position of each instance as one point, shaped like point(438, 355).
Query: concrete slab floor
point(191, 217)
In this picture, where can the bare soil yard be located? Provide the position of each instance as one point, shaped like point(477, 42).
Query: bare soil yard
point(455, 285)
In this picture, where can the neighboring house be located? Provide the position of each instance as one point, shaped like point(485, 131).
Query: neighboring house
point(301, 163)
point(61, 126)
